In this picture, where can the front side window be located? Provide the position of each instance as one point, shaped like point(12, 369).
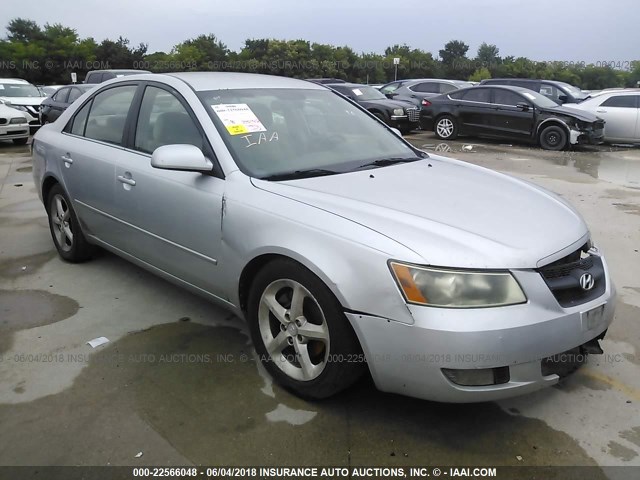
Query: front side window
point(392, 87)
point(108, 114)
point(621, 101)
point(447, 87)
point(273, 132)
point(61, 95)
point(163, 120)
point(74, 94)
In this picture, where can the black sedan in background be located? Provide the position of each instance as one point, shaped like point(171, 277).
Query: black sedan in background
point(53, 106)
point(512, 113)
point(398, 114)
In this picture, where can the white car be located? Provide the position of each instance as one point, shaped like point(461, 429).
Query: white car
point(621, 111)
point(21, 95)
point(13, 125)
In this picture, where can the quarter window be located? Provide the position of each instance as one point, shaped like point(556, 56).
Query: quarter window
point(80, 120)
point(108, 114)
point(163, 120)
point(622, 101)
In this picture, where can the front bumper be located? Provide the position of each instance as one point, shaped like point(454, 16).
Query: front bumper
point(408, 359)
point(589, 137)
point(402, 122)
point(9, 132)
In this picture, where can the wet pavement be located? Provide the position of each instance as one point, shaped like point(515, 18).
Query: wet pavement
point(177, 380)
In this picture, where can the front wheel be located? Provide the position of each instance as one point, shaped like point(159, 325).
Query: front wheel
point(446, 128)
point(300, 332)
point(553, 137)
point(65, 228)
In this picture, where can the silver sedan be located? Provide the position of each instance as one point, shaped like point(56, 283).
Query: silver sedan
point(345, 248)
point(621, 110)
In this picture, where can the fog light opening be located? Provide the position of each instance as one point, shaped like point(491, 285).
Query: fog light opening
point(480, 377)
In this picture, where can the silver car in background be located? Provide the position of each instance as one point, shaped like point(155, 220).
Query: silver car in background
point(621, 110)
point(344, 247)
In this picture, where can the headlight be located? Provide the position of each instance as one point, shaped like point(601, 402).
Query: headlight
point(398, 111)
point(18, 107)
point(437, 287)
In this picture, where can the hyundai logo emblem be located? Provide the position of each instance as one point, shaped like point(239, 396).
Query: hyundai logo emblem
point(587, 281)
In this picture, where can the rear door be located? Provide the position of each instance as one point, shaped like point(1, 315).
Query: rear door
point(172, 219)
point(510, 119)
point(474, 110)
point(92, 146)
point(621, 114)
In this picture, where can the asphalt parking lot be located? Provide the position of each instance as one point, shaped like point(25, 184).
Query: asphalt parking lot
point(177, 382)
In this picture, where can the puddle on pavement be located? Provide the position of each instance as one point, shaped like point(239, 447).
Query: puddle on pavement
point(198, 389)
point(24, 169)
point(23, 309)
point(620, 451)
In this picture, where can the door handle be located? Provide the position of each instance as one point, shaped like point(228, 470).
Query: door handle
point(66, 158)
point(128, 181)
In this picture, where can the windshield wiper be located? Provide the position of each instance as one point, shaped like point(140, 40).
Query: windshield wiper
point(389, 161)
point(312, 172)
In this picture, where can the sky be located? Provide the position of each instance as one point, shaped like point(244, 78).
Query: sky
point(563, 30)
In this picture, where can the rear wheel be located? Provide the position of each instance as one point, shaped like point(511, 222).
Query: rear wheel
point(65, 228)
point(300, 332)
point(446, 128)
point(553, 137)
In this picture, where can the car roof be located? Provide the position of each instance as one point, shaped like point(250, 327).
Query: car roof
point(202, 81)
point(119, 70)
point(513, 88)
point(13, 80)
point(446, 80)
point(348, 85)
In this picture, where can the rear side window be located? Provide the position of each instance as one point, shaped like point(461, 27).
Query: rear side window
point(108, 114)
point(505, 97)
point(61, 95)
point(622, 101)
point(426, 87)
point(163, 120)
point(477, 95)
point(446, 88)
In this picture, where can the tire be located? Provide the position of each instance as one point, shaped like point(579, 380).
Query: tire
point(20, 141)
point(446, 128)
point(553, 137)
point(316, 354)
point(65, 229)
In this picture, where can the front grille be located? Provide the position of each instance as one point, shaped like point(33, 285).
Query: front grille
point(414, 114)
point(563, 278)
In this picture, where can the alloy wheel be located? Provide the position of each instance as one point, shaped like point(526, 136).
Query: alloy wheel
point(445, 128)
point(61, 219)
point(294, 329)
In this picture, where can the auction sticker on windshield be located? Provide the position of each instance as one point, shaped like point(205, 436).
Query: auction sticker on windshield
point(238, 118)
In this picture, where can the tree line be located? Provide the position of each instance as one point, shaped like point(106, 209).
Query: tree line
point(48, 54)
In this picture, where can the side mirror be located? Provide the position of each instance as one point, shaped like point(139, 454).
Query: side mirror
point(523, 106)
point(396, 131)
point(563, 98)
point(182, 157)
point(390, 95)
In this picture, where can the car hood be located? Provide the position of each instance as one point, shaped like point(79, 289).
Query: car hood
point(449, 212)
point(23, 100)
point(583, 115)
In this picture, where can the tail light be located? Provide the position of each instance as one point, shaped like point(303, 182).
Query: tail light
point(426, 103)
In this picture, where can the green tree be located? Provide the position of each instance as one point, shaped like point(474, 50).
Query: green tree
point(480, 74)
point(455, 61)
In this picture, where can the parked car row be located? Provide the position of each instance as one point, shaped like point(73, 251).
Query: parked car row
point(14, 125)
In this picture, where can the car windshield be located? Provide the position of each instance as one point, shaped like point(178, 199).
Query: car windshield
point(539, 100)
point(368, 93)
point(574, 91)
point(18, 90)
point(272, 132)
